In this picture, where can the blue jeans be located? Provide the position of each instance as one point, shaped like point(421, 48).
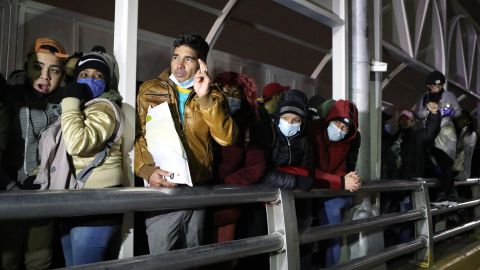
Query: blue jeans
point(83, 244)
point(331, 212)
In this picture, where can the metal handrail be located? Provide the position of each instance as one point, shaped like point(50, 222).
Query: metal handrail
point(367, 187)
point(63, 203)
point(455, 231)
point(197, 256)
point(433, 182)
point(472, 203)
point(377, 258)
point(468, 182)
point(350, 227)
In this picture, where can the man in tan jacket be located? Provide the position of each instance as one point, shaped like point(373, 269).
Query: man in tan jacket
point(200, 114)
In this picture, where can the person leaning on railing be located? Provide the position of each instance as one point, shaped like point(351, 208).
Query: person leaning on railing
point(290, 156)
point(242, 163)
point(336, 144)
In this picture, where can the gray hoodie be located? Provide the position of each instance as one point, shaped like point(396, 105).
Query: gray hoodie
point(30, 114)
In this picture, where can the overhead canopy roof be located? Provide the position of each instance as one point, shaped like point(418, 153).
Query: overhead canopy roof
point(265, 31)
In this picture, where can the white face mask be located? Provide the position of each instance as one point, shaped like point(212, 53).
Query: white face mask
point(335, 134)
point(185, 84)
point(288, 129)
point(235, 104)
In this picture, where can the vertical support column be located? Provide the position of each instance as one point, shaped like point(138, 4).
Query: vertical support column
point(360, 80)
point(360, 95)
point(125, 47)
point(18, 35)
point(8, 31)
point(281, 218)
point(125, 51)
point(340, 68)
point(376, 92)
point(424, 227)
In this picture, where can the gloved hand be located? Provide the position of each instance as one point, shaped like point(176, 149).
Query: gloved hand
point(304, 183)
point(447, 110)
point(78, 90)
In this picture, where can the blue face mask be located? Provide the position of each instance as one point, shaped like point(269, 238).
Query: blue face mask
point(97, 87)
point(235, 104)
point(185, 84)
point(335, 134)
point(288, 129)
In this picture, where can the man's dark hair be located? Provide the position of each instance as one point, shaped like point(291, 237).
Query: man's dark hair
point(195, 42)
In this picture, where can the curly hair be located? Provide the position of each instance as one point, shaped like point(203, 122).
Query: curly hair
point(248, 85)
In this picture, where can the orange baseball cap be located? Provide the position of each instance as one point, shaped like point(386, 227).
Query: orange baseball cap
point(51, 46)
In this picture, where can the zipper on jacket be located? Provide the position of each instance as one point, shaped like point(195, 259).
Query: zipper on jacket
point(289, 149)
point(289, 152)
point(155, 94)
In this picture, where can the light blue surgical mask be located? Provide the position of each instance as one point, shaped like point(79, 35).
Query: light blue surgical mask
point(185, 84)
point(335, 134)
point(97, 87)
point(288, 129)
point(235, 104)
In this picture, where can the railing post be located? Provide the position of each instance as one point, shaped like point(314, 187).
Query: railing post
point(281, 218)
point(424, 227)
point(476, 210)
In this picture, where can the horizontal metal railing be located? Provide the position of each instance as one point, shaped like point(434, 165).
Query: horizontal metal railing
point(355, 226)
point(367, 187)
point(456, 231)
point(56, 203)
point(369, 261)
point(463, 205)
point(35, 204)
point(198, 256)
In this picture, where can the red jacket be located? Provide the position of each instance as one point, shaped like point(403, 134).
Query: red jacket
point(242, 163)
point(331, 157)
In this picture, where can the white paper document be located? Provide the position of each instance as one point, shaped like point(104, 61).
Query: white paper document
point(165, 146)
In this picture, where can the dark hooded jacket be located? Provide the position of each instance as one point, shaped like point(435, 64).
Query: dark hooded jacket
point(333, 160)
point(289, 157)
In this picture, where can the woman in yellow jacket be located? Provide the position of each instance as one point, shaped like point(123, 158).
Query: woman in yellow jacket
point(86, 131)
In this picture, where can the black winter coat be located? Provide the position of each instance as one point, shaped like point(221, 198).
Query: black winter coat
point(295, 151)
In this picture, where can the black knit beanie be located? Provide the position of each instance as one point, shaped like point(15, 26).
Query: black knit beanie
point(95, 60)
point(435, 78)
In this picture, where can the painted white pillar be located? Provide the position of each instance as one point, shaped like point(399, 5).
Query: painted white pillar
point(125, 51)
point(125, 47)
point(340, 76)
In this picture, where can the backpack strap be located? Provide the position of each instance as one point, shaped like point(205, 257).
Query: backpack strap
point(117, 134)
